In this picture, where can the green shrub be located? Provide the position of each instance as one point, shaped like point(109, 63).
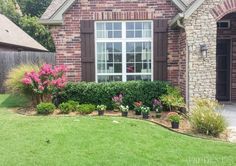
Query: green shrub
point(205, 119)
point(45, 108)
point(74, 105)
point(102, 93)
point(173, 99)
point(65, 108)
point(14, 83)
point(86, 108)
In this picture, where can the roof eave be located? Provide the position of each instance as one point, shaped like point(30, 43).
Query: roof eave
point(187, 13)
point(180, 4)
point(57, 17)
point(51, 22)
point(43, 49)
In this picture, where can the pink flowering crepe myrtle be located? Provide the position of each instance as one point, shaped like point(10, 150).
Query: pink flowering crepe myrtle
point(47, 80)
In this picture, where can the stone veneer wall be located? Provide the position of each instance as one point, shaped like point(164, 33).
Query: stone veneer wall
point(67, 36)
point(201, 28)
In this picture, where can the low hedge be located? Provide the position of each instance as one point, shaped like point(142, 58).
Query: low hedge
point(102, 93)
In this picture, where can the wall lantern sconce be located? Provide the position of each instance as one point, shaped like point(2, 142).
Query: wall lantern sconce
point(204, 50)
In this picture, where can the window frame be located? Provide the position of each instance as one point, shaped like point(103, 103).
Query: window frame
point(124, 40)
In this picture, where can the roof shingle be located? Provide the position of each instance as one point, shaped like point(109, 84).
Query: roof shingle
point(53, 7)
point(11, 34)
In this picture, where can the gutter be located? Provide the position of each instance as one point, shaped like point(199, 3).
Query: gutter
point(51, 22)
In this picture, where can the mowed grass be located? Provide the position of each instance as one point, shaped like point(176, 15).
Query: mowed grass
point(100, 141)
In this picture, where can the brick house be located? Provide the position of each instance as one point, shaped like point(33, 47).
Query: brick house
point(191, 43)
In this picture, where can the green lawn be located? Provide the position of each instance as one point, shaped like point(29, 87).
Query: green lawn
point(95, 141)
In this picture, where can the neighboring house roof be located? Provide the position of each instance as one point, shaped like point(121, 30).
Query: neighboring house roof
point(55, 11)
point(11, 34)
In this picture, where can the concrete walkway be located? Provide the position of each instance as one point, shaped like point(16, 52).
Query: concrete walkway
point(229, 113)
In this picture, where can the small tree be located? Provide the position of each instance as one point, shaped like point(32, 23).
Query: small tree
point(43, 84)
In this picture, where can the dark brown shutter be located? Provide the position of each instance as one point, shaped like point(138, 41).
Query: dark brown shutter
point(87, 50)
point(160, 49)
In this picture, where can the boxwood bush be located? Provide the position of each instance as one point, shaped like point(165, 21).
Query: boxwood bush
point(45, 108)
point(102, 93)
point(86, 108)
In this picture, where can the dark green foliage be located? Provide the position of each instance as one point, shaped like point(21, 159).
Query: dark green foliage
point(8, 8)
point(36, 30)
point(65, 108)
point(102, 93)
point(45, 108)
point(34, 7)
point(86, 108)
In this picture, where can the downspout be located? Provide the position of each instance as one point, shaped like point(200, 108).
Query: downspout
point(179, 24)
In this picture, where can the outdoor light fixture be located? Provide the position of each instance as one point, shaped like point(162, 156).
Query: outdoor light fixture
point(204, 50)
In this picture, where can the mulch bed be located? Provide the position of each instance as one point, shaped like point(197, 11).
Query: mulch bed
point(184, 128)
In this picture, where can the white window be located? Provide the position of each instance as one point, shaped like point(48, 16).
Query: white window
point(124, 51)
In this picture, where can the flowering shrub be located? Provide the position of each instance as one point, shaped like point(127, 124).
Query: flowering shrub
point(45, 82)
point(117, 100)
point(145, 109)
point(124, 108)
point(137, 106)
point(157, 105)
point(174, 117)
point(101, 107)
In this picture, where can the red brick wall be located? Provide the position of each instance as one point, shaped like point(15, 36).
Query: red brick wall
point(67, 37)
point(231, 34)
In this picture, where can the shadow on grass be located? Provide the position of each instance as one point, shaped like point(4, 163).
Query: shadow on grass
point(11, 101)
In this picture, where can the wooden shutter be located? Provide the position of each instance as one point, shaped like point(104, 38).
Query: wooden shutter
point(87, 50)
point(160, 45)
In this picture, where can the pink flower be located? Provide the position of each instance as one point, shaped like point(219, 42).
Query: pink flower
point(27, 81)
point(41, 87)
point(46, 70)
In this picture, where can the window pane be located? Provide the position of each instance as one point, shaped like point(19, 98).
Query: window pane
point(147, 26)
point(139, 77)
point(118, 68)
point(138, 26)
point(130, 47)
point(108, 26)
point(109, 30)
point(117, 47)
point(130, 34)
point(100, 34)
point(101, 68)
point(109, 78)
point(140, 60)
point(117, 34)
point(100, 26)
point(130, 57)
point(130, 68)
point(117, 57)
point(130, 25)
point(138, 47)
point(117, 26)
point(138, 34)
point(138, 29)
